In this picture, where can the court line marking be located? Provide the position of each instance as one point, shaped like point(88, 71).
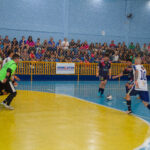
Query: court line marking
point(137, 116)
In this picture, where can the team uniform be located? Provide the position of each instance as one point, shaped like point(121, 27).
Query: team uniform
point(8, 85)
point(142, 88)
point(6, 60)
point(129, 72)
point(104, 67)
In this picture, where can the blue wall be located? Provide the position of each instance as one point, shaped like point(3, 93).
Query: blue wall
point(78, 19)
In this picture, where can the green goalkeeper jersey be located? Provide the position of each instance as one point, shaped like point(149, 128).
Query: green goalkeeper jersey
point(9, 65)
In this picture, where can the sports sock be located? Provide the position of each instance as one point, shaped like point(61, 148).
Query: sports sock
point(127, 89)
point(129, 105)
point(102, 91)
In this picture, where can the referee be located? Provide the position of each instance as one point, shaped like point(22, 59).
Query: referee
point(6, 83)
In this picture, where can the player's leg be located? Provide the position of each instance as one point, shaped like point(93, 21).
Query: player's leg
point(131, 92)
point(128, 99)
point(127, 85)
point(1, 88)
point(102, 87)
point(144, 96)
point(10, 89)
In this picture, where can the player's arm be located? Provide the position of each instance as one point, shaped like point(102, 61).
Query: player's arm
point(97, 71)
point(125, 71)
point(136, 78)
point(110, 73)
point(8, 75)
point(118, 76)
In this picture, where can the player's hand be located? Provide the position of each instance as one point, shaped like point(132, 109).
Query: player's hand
point(109, 77)
point(17, 78)
point(4, 81)
point(97, 74)
point(114, 77)
point(15, 84)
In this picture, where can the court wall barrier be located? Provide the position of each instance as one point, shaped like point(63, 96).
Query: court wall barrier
point(32, 70)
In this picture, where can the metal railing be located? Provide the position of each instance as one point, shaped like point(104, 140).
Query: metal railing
point(49, 68)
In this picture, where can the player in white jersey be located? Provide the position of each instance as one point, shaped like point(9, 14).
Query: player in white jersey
point(140, 85)
point(7, 59)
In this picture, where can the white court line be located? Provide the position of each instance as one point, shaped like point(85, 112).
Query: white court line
point(138, 116)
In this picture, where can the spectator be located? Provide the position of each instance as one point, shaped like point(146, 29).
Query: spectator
point(30, 42)
point(1, 45)
point(148, 48)
point(78, 44)
point(73, 46)
point(22, 43)
point(86, 46)
point(1, 38)
point(138, 47)
point(99, 45)
point(15, 45)
point(96, 47)
point(144, 48)
point(1, 55)
point(65, 44)
point(32, 56)
point(39, 55)
point(124, 45)
point(51, 45)
point(25, 55)
point(38, 43)
point(112, 45)
point(47, 56)
point(116, 57)
point(45, 44)
point(6, 42)
point(91, 47)
point(59, 46)
point(131, 46)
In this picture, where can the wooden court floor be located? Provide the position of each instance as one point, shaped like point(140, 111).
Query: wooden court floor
point(49, 121)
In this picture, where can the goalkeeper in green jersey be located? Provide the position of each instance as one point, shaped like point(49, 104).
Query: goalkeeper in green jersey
point(6, 80)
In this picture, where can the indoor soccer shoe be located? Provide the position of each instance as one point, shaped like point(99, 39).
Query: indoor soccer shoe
point(8, 107)
point(3, 104)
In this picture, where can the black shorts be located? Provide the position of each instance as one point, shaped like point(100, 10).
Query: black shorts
point(8, 87)
point(103, 77)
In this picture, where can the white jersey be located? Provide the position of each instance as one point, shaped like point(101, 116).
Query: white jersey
point(6, 60)
point(142, 80)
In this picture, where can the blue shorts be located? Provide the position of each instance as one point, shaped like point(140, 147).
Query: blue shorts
point(144, 95)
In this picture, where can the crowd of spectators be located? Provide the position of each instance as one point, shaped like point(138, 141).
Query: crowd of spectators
point(73, 51)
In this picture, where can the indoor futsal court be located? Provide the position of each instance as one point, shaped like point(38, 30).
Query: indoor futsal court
point(74, 74)
point(60, 115)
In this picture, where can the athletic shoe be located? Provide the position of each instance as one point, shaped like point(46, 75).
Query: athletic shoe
point(8, 107)
point(129, 112)
point(3, 104)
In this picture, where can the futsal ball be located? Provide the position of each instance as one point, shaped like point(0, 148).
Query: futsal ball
point(109, 97)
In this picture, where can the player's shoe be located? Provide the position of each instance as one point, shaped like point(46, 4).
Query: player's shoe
point(3, 104)
point(8, 107)
point(129, 112)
